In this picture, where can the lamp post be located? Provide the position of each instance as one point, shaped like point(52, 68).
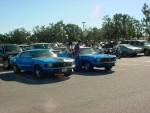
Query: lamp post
point(83, 30)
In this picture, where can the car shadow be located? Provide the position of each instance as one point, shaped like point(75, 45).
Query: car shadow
point(30, 79)
point(95, 72)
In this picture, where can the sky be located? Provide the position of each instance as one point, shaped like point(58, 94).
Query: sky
point(30, 13)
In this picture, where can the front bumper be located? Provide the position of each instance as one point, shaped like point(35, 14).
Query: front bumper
point(58, 70)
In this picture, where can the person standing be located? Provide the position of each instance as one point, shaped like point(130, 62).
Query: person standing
point(69, 49)
point(77, 55)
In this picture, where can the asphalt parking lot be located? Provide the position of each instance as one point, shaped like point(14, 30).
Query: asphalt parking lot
point(125, 89)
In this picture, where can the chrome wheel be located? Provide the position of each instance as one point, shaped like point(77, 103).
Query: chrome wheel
point(16, 69)
point(146, 52)
point(88, 66)
point(39, 72)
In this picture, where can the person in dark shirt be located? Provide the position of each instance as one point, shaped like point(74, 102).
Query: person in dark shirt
point(77, 55)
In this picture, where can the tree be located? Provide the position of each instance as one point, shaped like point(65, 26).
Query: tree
point(146, 19)
point(73, 32)
point(18, 36)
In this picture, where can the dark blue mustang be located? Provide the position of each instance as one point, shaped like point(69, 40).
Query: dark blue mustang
point(42, 62)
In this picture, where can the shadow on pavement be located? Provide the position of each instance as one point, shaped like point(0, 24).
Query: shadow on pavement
point(95, 72)
point(29, 78)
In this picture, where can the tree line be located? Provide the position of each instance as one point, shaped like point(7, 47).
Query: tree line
point(119, 27)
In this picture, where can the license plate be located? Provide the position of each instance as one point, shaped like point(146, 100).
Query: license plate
point(64, 70)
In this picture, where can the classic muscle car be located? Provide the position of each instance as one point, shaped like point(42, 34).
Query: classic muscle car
point(89, 59)
point(42, 62)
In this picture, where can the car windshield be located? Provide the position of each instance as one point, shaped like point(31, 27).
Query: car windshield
point(87, 51)
point(12, 49)
point(42, 46)
point(45, 53)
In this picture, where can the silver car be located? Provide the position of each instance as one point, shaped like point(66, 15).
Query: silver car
point(128, 49)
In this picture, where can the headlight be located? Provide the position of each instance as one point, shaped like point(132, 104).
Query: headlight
point(50, 64)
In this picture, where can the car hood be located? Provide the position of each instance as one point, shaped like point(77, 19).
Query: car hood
point(100, 55)
point(54, 59)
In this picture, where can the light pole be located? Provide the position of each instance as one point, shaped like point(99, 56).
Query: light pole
point(83, 31)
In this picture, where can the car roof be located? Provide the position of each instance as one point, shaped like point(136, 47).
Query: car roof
point(37, 50)
point(39, 43)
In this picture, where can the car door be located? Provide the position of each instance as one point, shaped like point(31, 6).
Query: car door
point(25, 62)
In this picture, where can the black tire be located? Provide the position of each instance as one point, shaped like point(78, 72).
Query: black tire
point(6, 64)
point(146, 52)
point(118, 55)
point(108, 68)
point(15, 68)
point(39, 71)
point(124, 54)
point(87, 66)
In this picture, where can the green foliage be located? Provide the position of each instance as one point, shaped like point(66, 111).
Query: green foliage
point(146, 19)
point(120, 26)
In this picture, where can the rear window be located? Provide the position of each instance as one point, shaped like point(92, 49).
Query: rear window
point(132, 43)
point(124, 42)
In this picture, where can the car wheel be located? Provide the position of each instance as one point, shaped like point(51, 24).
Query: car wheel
point(124, 54)
point(146, 52)
point(87, 66)
point(6, 64)
point(16, 69)
point(39, 72)
point(108, 68)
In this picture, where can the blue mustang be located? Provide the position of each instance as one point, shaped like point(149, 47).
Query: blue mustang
point(89, 59)
point(41, 61)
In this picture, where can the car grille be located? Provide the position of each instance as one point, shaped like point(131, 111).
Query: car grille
point(62, 64)
point(108, 59)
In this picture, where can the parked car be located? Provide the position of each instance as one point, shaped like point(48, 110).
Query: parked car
point(143, 44)
point(41, 62)
point(128, 49)
point(6, 51)
point(24, 46)
point(90, 59)
point(40, 46)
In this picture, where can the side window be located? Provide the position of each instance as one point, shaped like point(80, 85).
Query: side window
point(139, 43)
point(132, 43)
point(23, 55)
